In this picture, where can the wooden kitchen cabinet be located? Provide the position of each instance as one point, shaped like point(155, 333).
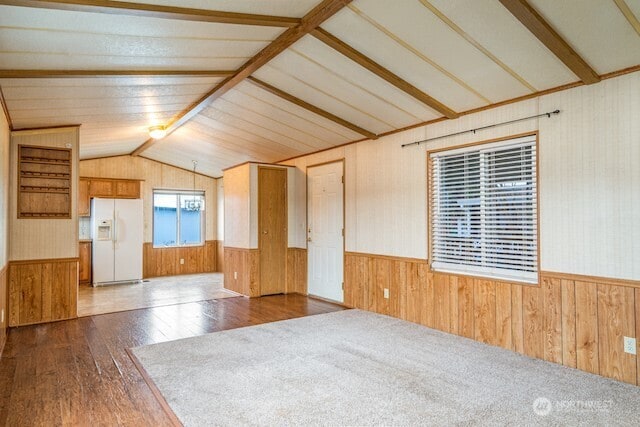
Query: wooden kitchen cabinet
point(126, 189)
point(101, 188)
point(107, 188)
point(84, 201)
point(84, 276)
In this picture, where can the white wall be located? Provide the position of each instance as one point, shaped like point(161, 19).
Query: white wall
point(220, 208)
point(237, 206)
point(589, 179)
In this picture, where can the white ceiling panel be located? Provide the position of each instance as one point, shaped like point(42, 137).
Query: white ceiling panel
point(259, 125)
point(278, 121)
point(40, 39)
point(291, 8)
point(339, 65)
point(418, 27)
point(596, 29)
point(237, 139)
point(328, 100)
point(265, 99)
point(92, 149)
point(375, 44)
point(509, 40)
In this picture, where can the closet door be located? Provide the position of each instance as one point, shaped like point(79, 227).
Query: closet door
point(272, 229)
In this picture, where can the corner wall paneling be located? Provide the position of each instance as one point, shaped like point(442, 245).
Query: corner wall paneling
point(166, 261)
point(580, 324)
point(296, 271)
point(3, 306)
point(219, 256)
point(241, 271)
point(42, 291)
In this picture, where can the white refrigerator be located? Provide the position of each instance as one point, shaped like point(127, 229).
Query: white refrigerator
point(116, 226)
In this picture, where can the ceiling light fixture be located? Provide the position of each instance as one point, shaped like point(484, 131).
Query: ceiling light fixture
point(157, 132)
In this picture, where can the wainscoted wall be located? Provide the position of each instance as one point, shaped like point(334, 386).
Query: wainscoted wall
point(219, 256)
point(246, 263)
point(296, 271)
point(577, 323)
point(42, 290)
point(241, 271)
point(3, 306)
point(166, 261)
point(35, 238)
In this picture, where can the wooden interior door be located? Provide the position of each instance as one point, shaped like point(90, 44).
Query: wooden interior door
point(272, 229)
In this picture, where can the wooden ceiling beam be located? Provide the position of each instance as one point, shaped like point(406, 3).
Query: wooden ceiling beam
point(308, 23)
point(36, 74)
point(157, 11)
point(300, 103)
point(540, 28)
point(377, 69)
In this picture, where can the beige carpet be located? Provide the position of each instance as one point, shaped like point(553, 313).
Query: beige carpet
point(155, 292)
point(358, 368)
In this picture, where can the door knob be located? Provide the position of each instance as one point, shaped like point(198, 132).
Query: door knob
point(265, 232)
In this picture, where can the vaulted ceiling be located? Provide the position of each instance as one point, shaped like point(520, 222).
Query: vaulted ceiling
point(238, 80)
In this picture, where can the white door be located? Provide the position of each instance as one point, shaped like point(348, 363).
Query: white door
point(103, 262)
point(325, 217)
point(127, 236)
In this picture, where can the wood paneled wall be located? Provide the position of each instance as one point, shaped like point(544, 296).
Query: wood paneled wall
point(577, 323)
point(296, 271)
point(166, 261)
point(219, 255)
point(3, 306)
point(246, 263)
point(241, 271)
point(42, 291)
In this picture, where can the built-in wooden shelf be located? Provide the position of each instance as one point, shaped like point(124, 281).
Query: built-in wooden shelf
point(44, 188)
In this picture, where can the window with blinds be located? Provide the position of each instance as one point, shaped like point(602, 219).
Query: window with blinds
point(484, 210)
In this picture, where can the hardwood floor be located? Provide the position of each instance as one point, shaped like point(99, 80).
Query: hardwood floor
point(154, 292)
point(77, 372)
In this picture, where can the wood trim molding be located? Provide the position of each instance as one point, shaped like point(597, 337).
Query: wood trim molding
point(60, 128)
point(300, 103)
point(175, 421)
point(540, 28)
point(43, 261)
point(249, 162)
point(5, 109)
point(313, 19)
point(34, 74)
point(628, 13)
point(388, 257)
point(377, 69)
point(233, 248)
point(592, 279)
point(158, 11)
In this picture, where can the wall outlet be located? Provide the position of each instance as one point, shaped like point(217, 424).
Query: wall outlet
point(386, 293)
point(630, 345)
point(181, 261)
point(235, 275)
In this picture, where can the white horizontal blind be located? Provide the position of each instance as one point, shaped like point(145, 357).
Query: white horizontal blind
point(484, 210)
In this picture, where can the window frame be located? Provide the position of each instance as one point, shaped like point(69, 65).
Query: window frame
point(203, 221)
point(430, 189)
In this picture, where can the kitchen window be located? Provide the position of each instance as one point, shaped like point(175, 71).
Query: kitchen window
point(178, 218)
point(484, 210)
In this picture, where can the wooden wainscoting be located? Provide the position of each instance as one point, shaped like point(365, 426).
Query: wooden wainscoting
point(42, 291)
point(3, 306)
point(576, 323)
point(241, 271)
point(296, 271)
point(166, 261)
point(219, 256)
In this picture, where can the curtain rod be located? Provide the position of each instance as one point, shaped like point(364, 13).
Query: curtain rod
point(482, 128)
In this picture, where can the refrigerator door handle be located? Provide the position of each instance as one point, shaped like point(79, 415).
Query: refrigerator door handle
point(115, 227)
